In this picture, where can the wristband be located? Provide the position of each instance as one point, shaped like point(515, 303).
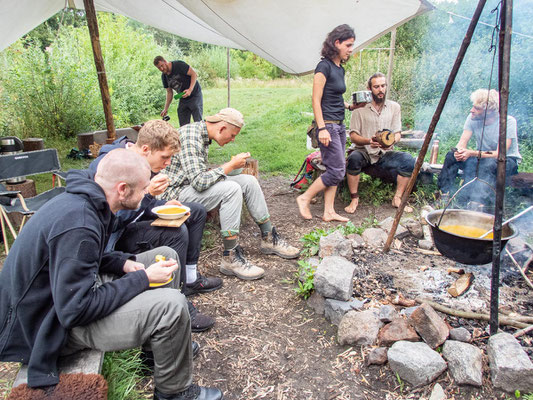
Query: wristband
point(321, 129)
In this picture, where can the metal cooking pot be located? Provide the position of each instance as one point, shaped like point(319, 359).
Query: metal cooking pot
point(363, 96)
point(464, 249)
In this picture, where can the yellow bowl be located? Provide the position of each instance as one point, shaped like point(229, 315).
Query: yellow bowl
point(155, 285)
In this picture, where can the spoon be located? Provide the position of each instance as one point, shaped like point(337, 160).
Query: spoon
point(509, 220)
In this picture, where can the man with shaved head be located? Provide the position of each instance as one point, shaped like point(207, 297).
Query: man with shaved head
point(60, 292)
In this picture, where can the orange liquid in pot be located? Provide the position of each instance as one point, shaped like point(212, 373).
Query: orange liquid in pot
point(468, 231)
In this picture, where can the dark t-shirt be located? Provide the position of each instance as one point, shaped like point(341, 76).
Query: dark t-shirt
point(332, 101)
point(179, 80)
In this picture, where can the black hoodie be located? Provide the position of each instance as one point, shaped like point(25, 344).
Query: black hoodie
point(48, 283)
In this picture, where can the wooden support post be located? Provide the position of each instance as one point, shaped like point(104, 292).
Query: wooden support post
point(434, 121)
point(92, 24)
point(391, 57)
point(229, 74)
point(504, 56)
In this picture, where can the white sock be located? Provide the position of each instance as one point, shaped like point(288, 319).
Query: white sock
point(190, 269)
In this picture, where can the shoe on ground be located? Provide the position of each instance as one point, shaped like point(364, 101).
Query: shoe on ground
point(147, 358)
point(193, 392)
point(273, 243)
point(235, 264)
point(202, 284)
point(199, 322)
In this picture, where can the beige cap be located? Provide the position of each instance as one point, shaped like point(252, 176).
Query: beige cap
point(229, 115)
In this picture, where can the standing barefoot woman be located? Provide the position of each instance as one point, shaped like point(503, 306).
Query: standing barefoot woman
point(328, 108)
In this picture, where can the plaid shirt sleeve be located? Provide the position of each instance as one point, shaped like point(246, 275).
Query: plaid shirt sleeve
point(193, 157)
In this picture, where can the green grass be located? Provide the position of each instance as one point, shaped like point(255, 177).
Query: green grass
point(122, 371)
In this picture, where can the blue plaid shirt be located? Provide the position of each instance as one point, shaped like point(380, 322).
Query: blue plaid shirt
point(189, 167)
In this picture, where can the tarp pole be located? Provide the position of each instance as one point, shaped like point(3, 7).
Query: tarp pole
point(92, 24)
point(434, 121)
point(391, 57)
point(229, 74)
point(504, 57)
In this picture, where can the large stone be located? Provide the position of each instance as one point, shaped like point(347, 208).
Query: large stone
point(335, 244)
point(356, 239)
point(464, 362)
point(429, 325)
point(387, 313)
point(374, 237)
point(359, 327)
point(425, 244)
point(510, 366)
point(334, 278)
point(437, 393)
point(317, 303)
point(377, 356)
point(414, 227)
point(397, 330)
point(386, 225)
point(335, 309)
point(461, 334)
point(415, 362)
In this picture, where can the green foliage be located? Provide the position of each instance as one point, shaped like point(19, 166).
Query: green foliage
point(528, 396)
point(211, 63)
point(306, 274)
point(122, 369)
point(55, 93)
point(400, 382)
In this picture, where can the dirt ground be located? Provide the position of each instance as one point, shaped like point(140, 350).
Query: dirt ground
point(268, 344)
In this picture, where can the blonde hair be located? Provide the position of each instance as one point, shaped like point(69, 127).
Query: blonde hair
point(158, 134)
point(489, 100)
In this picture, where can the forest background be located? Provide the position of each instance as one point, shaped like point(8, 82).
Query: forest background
point(49, 88)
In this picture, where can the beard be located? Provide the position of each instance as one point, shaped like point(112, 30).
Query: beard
point(377, 99)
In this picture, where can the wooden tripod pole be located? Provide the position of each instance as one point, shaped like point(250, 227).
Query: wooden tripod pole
point(92, 24)
point(434, 121)
point(504, 56)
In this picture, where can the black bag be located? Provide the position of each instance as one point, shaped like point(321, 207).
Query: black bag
point(312, 132)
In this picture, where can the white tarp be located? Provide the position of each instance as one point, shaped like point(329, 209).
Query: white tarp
point(288, 33)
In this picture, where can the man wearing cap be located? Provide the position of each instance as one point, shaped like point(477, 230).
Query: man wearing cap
point(192, 180)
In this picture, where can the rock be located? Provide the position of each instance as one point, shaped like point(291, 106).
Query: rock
point(425, 244)
point(386, 225)
point(357, 240)
point(414, 228)
point(415, 362)
point(335, 309)
point(335, 244)
point(397, 330)
point(359, 327)
point(429, 325)
point(334, 278)
point(374, 237)
point(464, 362)
point(437, 393)
point(377, 356)
point(510, 366)
point(408, 311)
point(387, 313)
point(460, 334)
point(316, 302)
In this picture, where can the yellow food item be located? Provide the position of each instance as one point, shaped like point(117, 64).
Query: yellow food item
point(468, 231)
point(160, 284)
point(171, 210)
point(159, 257)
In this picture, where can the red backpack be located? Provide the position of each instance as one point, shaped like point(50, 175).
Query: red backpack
point(304, 177)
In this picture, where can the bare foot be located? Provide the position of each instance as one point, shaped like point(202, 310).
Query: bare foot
point(334, 217)
point(350, 209)
point(397, 200)
point(303, 207)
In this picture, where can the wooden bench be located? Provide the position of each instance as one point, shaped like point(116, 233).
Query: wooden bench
point(85, 361)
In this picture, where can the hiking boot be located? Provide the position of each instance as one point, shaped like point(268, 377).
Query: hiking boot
point(273, 243)
point(234, 263)
point(147, 358)
point(199, 322)
point(193, 392)
point(202, 284)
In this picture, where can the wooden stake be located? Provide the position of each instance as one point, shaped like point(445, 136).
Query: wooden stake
point(434, 121)
point(92, 24)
